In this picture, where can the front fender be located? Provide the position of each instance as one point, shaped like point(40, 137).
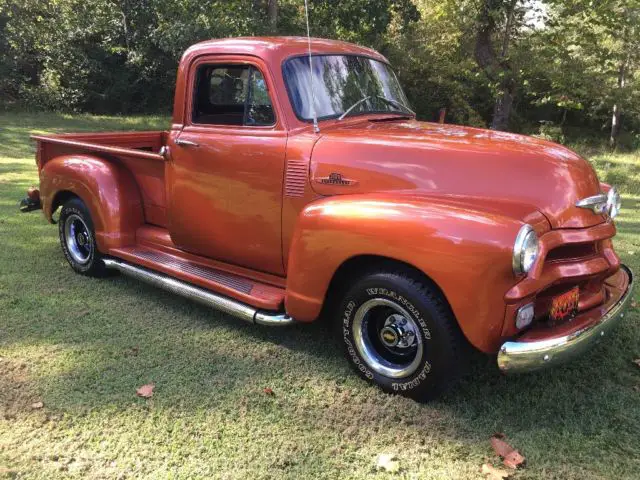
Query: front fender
point(108, 190)
point(465, 250)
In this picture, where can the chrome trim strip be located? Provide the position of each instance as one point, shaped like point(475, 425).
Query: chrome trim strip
point(272, 319)
point(227, 305)
point(597, 203)
point(521, 357)
point(186, 143)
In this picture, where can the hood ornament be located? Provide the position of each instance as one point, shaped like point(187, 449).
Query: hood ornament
point(336, 179)
point(597, 203)
point(602, 204)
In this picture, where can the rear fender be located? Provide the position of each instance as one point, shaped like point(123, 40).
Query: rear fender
point(466, 251)
point(108, 190)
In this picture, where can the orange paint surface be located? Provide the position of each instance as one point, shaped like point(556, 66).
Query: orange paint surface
point(285, 207)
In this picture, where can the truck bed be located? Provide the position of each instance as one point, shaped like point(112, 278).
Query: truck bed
point(138, 152)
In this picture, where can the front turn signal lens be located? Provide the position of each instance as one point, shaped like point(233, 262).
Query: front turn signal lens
point(524, 316)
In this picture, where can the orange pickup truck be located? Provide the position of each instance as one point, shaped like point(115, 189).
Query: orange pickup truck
point(295, 183)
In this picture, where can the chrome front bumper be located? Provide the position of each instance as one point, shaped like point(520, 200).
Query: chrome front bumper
point(527, 356)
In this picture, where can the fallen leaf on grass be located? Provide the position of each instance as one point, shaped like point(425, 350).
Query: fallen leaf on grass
point(37, 405)
point(511, 457)
point(494, 473)
point(637, 361)
point(388, 463)
point(634, 304)
point(146, 391)
point(268, 391)
point(513, 460)
point(501, 447)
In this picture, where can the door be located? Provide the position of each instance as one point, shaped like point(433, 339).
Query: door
point(227, 163)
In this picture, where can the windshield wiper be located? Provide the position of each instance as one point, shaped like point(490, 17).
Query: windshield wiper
point(348, 110)
point(397, 104)
point(384, 99)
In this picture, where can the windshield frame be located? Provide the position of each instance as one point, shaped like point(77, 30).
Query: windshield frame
point(335, 116)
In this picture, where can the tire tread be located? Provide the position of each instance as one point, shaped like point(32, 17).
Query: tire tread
point(444, 317)
point(96, 267)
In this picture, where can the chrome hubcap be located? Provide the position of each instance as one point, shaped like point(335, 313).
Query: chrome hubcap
point(397, 332)
point(387, 338)
point(77, 239)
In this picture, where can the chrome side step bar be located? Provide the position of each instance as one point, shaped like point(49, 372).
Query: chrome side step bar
point(227, 305)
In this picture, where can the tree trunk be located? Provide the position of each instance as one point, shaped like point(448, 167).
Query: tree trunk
point(564, 117)
point(502, 110)
point(484, 53)
point(615, 118)
point(272, 15)
point(123, 7)
point(125, 24)
point(507, 29)
point(497, 69)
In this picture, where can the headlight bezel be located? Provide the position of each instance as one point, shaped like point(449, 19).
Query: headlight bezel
point(526, 236)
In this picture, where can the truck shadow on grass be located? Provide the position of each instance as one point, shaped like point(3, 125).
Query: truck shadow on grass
point(110, 336)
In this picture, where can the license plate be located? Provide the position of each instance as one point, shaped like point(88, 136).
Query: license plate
point(565, 306)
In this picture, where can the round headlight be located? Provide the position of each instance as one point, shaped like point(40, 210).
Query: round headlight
point(525, 250)
point(614, 203)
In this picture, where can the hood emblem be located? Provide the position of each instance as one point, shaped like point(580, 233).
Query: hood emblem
point(336, 179)
point(598, 204)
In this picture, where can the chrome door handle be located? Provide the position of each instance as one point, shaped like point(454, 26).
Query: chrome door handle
point(186, 143)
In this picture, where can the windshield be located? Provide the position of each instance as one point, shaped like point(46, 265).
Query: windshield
point(339, 83)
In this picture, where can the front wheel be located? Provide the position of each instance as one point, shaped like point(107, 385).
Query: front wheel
point(78, 239)
point(399, 333)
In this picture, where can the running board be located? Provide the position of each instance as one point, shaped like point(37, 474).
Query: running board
point(227, 305)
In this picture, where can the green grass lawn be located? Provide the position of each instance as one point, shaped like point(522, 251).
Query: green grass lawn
point(83, 346)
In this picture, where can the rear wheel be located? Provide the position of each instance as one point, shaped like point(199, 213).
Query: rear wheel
point(78, 241)
point(399, 333)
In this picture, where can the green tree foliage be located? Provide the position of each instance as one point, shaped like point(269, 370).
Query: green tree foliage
point(121, 55)
point(509, 64)
point(433, 61)
point(591, 52)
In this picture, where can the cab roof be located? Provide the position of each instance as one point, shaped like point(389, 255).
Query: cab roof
point(278, 49)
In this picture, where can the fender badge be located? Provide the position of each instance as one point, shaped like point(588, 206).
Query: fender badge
point(336, 179)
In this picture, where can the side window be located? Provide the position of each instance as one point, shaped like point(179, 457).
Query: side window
point(232, 95)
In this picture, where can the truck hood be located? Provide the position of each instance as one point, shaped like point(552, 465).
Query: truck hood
point(454, 161)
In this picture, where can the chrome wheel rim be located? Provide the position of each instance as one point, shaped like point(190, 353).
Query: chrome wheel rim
point(387, 338)
point(78, 239)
